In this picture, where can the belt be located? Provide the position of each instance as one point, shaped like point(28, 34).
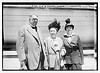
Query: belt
point(70, 50)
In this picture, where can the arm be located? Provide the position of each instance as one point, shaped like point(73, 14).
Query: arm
point(62, 53)
point(46, 53)
point(81, 50)
point(62, 50)
point(19, 47)
point(46, 48)
point(45, 45)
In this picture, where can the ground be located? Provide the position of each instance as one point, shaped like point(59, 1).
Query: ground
point(14, 64)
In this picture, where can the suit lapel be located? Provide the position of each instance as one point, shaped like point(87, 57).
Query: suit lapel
point(32, 32)
point(39, 36)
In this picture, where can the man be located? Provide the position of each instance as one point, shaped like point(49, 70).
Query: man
point(29, 46)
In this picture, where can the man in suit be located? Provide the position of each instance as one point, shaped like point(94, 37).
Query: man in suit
point(29, 46)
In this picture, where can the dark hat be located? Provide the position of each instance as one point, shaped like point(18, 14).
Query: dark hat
point(69, 24)
point(67, 20)
point(54, 24)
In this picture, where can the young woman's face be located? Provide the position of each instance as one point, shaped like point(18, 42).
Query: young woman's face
point(69, 28)
point(53, 32)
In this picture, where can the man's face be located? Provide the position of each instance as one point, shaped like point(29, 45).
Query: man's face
point(33, 21)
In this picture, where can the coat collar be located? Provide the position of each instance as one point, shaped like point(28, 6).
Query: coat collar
point(53, 39)
point(69, 35)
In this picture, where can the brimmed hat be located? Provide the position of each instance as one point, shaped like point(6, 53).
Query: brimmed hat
point(68, 23)
point(54, 24)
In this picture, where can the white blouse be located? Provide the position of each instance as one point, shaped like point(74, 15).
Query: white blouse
point(55, 44)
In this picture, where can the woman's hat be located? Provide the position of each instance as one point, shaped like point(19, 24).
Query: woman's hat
point(54, 24)
point(67, 20)
point(68, 23)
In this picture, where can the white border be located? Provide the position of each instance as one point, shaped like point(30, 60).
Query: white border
point(48, 1)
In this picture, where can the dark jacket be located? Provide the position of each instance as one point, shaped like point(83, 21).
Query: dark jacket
point(74, 50)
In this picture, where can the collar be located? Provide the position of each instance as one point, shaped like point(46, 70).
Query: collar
point(31, 25)
point(66, 35)
point(53, 39)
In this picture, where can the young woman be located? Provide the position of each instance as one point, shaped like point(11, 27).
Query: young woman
point(73, 49)
point(53, 45)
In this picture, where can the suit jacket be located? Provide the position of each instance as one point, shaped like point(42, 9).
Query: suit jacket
point(28, 46)
point(73, 56)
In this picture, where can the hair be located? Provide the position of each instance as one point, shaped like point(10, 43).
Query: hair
point(54, 24)
point(30, 16)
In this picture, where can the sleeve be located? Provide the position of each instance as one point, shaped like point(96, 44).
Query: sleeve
point(81, 50)
point(63, 50)
point(46, 47)
point(46, 52)
point(20, 45)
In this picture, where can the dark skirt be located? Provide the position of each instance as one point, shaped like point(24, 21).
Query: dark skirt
point(73, 67)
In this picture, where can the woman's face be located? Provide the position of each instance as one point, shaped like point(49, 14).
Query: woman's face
point(53, 32)
point(69, 28)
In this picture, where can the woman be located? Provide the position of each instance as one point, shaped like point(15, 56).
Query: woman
point(73, 49)
point(53, 45)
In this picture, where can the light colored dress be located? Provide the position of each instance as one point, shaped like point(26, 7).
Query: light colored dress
point(53, 47)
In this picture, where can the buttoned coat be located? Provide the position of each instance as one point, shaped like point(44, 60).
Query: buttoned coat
point(28, 46)
point(76, 57)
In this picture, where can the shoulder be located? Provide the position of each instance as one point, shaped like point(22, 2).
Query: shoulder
point(38, 29)
point(23, 27)
point(62, 37)
point(58, 38)
point(46, 39)
point(74, 34)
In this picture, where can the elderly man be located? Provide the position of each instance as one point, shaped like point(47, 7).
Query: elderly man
point(29, 46)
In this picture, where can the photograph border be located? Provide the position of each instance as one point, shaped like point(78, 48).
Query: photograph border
point(50, 3)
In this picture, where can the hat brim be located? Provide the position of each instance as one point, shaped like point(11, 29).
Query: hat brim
point(69, 25)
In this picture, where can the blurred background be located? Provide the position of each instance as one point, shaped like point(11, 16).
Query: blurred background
point(83, 16)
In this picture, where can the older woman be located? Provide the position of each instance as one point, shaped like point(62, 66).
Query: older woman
point(73, 48)
point(53, 45)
